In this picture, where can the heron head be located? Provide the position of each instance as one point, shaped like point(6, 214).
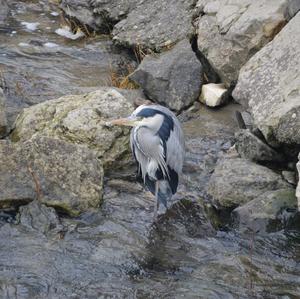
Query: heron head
point(143, 116)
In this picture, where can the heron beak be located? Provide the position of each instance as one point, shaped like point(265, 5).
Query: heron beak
point(124, 122)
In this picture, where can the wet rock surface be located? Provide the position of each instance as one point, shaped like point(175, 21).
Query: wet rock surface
point(81, 119)
point(269, 85)
point(268, 212)
point(38, 217)
point(236, 181)
point(173, 78)
point(230, 32)
point(60, 174)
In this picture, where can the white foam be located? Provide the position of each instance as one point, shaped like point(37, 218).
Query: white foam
point(51, 45)
point(30, 26)
point(54, 13)
point(65, 32)
point(24, 45)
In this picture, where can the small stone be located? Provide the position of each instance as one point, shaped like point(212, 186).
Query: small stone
point(251, 147)
point(211, 94)
point(172, 78)
point(39, 217)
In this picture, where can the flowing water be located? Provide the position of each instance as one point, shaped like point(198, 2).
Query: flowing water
point(117, 252)
point(38, 64)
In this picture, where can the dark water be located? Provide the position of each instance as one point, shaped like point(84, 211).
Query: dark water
point(117, 252)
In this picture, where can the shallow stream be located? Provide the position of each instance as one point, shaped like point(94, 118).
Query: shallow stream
point(117, 252)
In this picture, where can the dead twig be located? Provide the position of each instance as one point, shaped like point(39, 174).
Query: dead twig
point(36, 182)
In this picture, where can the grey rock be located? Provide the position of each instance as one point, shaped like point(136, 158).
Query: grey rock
point(156, 24)
point(251, 147)
point(172, 78)
point(37, 216)
point(3, 119)
point(60, 174)
point(237, 181)
point(81, 119)
point(267, 212)
point(230, 32)
point(270, 85)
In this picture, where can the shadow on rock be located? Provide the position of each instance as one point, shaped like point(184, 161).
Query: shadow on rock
point(169, 237)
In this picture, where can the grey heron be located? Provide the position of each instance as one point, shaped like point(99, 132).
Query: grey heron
point(157, 144)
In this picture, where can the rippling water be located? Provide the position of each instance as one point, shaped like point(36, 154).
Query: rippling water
point(117, 252)
point(37, 64)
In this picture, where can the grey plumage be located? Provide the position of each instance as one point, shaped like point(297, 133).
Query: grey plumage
point(157, 143)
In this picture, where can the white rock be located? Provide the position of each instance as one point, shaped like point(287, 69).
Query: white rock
point(211, 94)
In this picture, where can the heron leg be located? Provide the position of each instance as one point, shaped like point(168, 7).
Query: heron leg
point(157, 201)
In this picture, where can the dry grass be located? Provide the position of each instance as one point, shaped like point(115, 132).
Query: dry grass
point(140, 52)
point(121, 80)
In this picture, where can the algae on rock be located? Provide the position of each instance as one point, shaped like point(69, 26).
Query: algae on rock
point(81, 119)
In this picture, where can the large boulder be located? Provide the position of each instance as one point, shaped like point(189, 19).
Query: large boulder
point(231, 31)
point(156, 24)
point(81, 119)
point(267, 212)
point(237, 181)
point(3, 120)
point(172, 78)
point(59, 174)
point(270, 85)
